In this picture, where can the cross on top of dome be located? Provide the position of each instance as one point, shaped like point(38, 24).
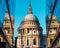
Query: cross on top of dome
point(30, 8)
point(51, 6)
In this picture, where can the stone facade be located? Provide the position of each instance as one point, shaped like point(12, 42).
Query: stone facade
point(52, 30)
point(56, 41)
point(8, 31)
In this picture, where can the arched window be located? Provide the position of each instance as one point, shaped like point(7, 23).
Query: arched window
point(27, 41)
point(7, 30)
point(0, 39)
point(28, 30)
point(34, 41)
point(22, 31)
point(51, 41)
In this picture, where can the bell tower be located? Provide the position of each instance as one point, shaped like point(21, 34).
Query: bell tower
point(7, 27)
point(52, 30)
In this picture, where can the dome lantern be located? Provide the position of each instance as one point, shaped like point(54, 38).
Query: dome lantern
point(30, 9)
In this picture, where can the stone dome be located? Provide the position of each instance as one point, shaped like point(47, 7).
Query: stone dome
point(7, 16)
point(48, 18)
point(30, 17)
point(53, 17)
point(30, 20)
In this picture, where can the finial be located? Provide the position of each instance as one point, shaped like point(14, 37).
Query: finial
point(51, 6)
point(30, 3)
point(30, 8)
point(6, 10)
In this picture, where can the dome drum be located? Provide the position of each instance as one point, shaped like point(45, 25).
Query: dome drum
point(37, 27)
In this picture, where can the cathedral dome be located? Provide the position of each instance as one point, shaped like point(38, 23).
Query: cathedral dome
point(30, 17)
point(30, 20)
point(7, 16)
point(48, 18)
point(53, 17)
